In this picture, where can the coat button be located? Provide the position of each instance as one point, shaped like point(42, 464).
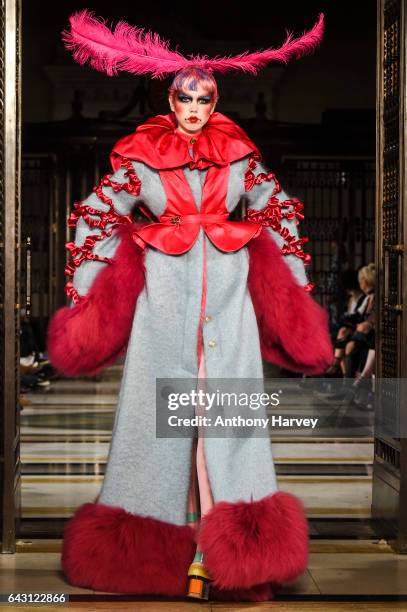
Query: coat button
point(212, 343)
point(208, 318)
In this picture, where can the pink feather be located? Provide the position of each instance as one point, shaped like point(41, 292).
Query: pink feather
point(134, 50)
point(126, 48)
point(252, 62)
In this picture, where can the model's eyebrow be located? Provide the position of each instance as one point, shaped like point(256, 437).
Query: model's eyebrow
point(186, 95)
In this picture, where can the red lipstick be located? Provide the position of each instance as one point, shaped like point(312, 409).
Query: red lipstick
point(193, 119)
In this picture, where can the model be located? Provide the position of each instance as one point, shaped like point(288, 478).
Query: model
point(189, 295)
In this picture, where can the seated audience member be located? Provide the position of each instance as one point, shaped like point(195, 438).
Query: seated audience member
point(362, 339)
point(35, 371)
point(356, 304)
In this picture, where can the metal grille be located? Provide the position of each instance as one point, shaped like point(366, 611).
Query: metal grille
point(338, 196)
point(391, 188)
point(38, 224)
point(387, 453)
point(17, 250)
point(10, 86)
point(2, 238)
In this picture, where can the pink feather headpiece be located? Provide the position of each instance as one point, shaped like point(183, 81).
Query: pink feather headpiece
point(134, 50)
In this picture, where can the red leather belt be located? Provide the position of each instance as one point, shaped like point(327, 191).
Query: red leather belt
point(200, 218)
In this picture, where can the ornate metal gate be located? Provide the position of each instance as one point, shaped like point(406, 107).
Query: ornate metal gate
point(390, 465)
point(338, 193)
point(10, 82)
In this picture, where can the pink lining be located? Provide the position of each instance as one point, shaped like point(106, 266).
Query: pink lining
point(200, 496)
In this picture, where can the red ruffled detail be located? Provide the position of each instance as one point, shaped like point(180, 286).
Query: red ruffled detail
point(85, 251)
point(275, 211)
point(159, 144)
point(309, 286)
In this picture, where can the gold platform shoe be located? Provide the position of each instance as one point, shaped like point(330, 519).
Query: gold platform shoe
point(198, 581)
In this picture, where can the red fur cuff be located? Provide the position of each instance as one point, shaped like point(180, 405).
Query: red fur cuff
point(293, 327)
point(92, 334)
point(251, 543)
point(109, 549)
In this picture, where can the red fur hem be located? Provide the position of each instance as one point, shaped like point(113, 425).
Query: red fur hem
point(251, 543)
point(109, 549)
point(92, 334)
point(293, 327)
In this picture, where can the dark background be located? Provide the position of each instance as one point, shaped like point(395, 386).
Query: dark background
point(340, 75)
point(317, 132)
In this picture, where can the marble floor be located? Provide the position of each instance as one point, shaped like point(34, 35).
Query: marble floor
point(354, 572)
point(65, 436)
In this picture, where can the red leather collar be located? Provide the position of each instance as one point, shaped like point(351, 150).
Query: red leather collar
point(159, 144)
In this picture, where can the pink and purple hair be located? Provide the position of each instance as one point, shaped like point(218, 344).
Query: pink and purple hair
point(190, 78)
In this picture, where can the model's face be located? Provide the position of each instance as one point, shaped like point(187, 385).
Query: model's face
point(192, 109)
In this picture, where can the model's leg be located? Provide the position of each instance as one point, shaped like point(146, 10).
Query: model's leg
point(198, 577)
point(200, 498)
point(205, 493)
point(193, 511)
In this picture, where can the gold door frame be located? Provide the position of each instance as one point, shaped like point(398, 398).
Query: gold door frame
point(390, 459)
point(390, 464)
point(10, 155)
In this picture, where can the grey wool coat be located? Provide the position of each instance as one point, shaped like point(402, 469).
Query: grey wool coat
point(147, 475)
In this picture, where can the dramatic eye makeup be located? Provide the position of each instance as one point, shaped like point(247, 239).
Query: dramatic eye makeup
point(185, 99)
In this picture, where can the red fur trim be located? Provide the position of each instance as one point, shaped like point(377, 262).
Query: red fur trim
point(109, 549)
point(250, 543)
point(91, 335)
point(293, 327)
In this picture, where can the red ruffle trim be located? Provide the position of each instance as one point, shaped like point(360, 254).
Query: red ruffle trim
point(85, 251)
point(275, 211)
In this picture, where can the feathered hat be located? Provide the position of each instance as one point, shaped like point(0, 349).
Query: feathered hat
point(135, 50)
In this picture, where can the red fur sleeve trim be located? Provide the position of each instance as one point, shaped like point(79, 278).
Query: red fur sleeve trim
point(91, 335)
point(293, 327)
